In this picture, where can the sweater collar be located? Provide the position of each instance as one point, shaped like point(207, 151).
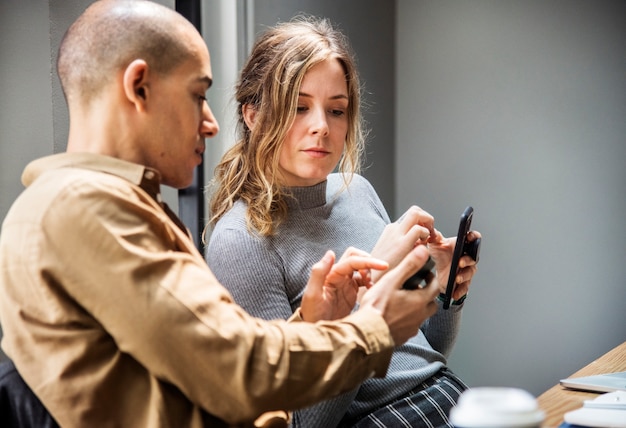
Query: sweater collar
point(307, 197)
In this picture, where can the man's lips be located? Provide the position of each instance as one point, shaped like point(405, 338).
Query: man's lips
point(199, 151)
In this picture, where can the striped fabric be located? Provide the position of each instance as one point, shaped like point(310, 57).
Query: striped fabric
point(426, 406)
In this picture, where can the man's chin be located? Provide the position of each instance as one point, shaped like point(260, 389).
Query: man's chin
point(178, 183)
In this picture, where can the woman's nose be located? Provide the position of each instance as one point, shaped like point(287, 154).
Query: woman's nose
point(319, 122)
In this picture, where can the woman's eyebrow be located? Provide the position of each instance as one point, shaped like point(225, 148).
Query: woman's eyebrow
point(334, 97)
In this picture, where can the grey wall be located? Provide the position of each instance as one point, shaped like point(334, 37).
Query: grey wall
point(224, 30)
point(519, 108)
point(370, 26)
point(26, 130)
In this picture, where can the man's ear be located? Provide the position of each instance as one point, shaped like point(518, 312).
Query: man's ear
point(249, 115)
point(136, 83)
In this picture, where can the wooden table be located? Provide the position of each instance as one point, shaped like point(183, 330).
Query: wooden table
point(558, 400)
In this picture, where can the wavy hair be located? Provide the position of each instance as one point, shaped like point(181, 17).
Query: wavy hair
point(270, 83)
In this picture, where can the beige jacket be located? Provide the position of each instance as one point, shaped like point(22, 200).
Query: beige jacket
point(113, 318)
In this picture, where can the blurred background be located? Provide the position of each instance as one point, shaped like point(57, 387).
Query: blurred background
point(516, 107)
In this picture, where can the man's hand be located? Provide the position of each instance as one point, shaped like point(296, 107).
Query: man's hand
point(403, 310)
point(332, 288)
point(442, 250)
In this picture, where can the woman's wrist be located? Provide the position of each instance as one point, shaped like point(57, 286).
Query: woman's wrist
point(458, 302)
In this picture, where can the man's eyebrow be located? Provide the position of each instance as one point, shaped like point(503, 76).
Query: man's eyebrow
point(205, 79)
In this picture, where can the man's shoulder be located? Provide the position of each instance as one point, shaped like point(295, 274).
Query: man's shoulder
point(77, 184)
point(84, 164)
point(44, 187)
point(65, 193)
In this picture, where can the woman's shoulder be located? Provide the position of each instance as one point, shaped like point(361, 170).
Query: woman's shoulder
point(356, 183)
point(231, 234)
point(359, 191)
point(234, 218)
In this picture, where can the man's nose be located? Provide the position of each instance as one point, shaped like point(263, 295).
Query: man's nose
point(209, 127)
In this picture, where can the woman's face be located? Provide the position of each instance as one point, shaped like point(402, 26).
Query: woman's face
point(314, 143)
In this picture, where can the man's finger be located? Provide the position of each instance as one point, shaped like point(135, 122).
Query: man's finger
point(320, 269)
point(352, 251)
point(349, 264)
point(414, 260)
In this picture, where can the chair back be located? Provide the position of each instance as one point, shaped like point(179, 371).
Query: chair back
point(19, 406)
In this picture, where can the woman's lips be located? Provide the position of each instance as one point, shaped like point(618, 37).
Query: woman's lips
point(317, 153)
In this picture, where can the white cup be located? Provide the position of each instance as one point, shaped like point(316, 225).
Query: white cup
point(490, 407)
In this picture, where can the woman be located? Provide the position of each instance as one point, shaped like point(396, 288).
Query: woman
point(278, 207)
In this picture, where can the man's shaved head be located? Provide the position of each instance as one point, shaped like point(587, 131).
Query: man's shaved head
point(109, 35)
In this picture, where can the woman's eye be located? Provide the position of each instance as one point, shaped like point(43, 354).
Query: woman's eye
point(338, 112)
point(301, 109)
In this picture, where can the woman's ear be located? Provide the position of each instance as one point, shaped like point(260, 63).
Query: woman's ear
point(249, 115)
point(135, 82)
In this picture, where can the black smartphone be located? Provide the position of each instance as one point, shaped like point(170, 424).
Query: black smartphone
point(463, 247)
point(420, 278)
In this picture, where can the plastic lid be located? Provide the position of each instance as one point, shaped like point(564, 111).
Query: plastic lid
point(496, 407)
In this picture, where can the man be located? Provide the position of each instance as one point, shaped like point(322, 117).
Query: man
point(109, 313)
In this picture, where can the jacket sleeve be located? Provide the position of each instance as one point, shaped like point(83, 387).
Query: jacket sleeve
point(144, 284)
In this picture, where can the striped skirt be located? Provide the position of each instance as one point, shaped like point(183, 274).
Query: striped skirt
point(426, 406)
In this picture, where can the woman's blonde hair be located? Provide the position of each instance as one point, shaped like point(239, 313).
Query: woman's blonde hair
point(270, 83)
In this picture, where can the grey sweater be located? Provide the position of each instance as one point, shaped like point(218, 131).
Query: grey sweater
point(267, 276)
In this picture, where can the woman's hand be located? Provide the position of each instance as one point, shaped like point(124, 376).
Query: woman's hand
point(441, 250)
point(413, 228)
point(332, 289)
